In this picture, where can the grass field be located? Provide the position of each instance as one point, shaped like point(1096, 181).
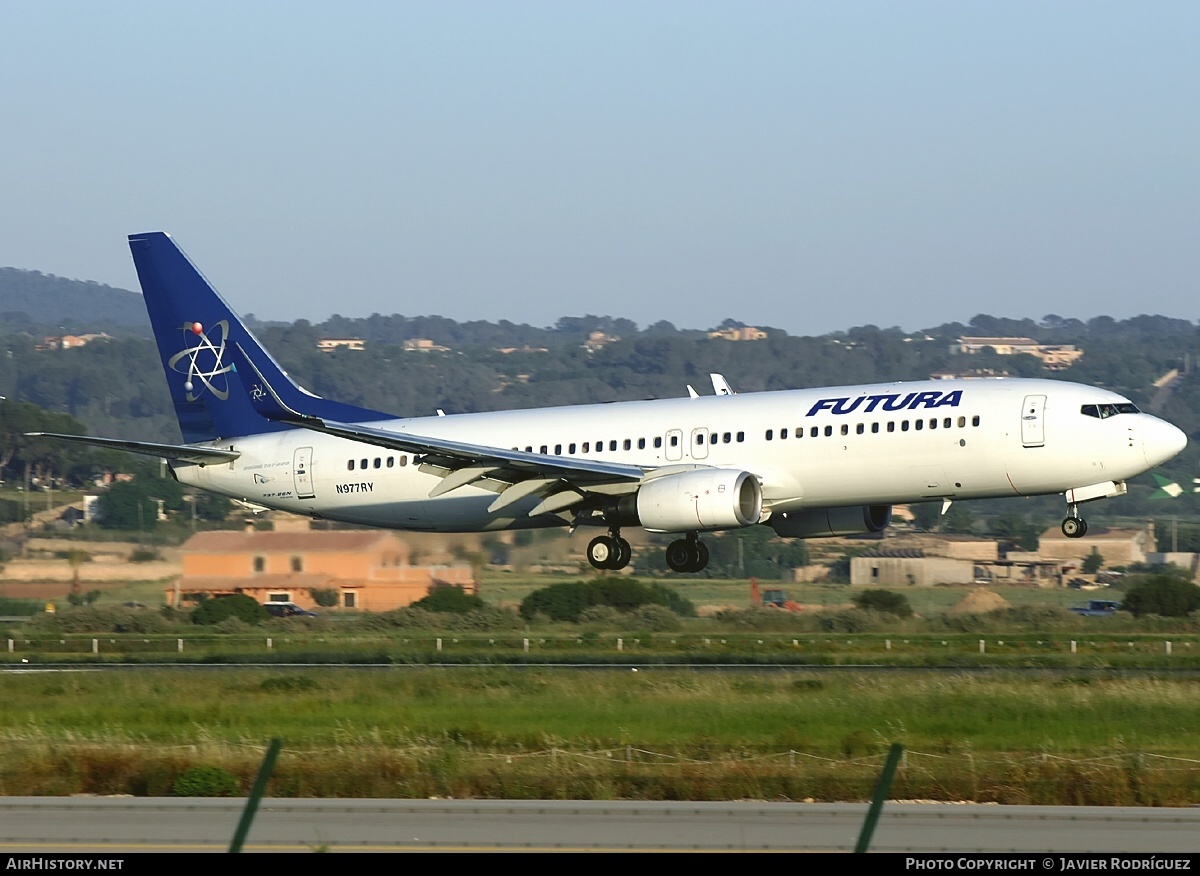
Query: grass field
point(653, 734)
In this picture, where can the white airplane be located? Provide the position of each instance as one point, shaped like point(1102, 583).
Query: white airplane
point(807, 462)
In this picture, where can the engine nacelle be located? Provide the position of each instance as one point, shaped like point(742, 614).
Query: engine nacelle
point(702, 499)
point(823, 522)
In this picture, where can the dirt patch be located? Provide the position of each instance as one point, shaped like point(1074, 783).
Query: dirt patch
point(49, 590)
point(979, 601)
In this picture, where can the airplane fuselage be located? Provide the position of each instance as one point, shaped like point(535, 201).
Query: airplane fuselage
point(878, 444)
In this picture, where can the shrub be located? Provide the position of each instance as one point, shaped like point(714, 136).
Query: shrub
point(231, 626)
point(206, 781)
point(858, 621)
point(561, 602)
point(212, 611)
point(884, 601)
point(410, 617)
point(765, 619)
point(110, 619)
point(569, 600)
point(9, 606)
point(326, 597)
point(454, 600)
point(603, 616)
point(656, 619)
point(1164, 594)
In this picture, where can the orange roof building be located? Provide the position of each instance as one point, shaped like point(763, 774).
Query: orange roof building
point(368, 570)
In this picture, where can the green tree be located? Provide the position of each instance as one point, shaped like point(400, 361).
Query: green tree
point(1092, 563)
point(1164, 594)
point(927, 516)
point(1016, 531)
point(133, 505)
point(959, 519)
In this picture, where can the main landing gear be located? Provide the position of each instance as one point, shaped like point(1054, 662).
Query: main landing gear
point(609, 551)
point(1074, 526)
point(687, 554)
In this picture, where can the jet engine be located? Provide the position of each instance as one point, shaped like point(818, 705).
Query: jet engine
point(822, 522)
point(702, 499)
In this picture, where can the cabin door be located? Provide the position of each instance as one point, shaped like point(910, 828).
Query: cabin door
point(302, 472)
point(674, 445)
point(1033, 431)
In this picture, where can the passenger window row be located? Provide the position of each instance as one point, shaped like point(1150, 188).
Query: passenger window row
point(629, 443)
point(717, 438)
point(377, 462)
point(889, 426)
point(705, 437)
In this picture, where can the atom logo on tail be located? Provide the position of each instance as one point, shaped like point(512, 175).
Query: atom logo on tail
point(204, 362)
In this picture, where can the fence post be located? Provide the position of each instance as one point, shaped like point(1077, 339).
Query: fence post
point(256, 794)
point(881, 792)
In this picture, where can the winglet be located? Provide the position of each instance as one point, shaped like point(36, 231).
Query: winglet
point(263, 397)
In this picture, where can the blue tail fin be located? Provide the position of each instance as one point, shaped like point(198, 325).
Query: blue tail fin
point(195, 329)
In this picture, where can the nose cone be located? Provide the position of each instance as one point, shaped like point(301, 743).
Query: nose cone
point(1161, 441)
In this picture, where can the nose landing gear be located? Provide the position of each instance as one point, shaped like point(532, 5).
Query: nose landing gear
point(1074, 526)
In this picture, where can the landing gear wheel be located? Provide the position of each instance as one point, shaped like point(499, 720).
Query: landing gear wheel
point(1074, 527)
point(602, 551)
point(623, 555)
point(687, 555)
point(679, 556)
point(609, 552)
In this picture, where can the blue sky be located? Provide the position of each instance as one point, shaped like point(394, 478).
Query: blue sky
point(809, 166)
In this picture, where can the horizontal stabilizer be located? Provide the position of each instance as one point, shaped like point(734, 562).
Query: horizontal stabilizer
point(176, 452)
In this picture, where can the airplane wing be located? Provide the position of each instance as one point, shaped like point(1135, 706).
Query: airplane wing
point(561, 482)
point(177, 452)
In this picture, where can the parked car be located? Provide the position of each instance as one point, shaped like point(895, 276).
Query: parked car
point(287, 609)
point(1097, 608)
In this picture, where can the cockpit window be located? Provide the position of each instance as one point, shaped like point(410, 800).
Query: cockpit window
point(1105, 411)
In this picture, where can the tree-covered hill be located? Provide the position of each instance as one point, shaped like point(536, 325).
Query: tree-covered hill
point(115, 388)
point(45, 304)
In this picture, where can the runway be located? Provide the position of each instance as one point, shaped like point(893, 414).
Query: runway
point(120, 825)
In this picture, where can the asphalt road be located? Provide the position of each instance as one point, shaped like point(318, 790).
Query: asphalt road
point(120, 825)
